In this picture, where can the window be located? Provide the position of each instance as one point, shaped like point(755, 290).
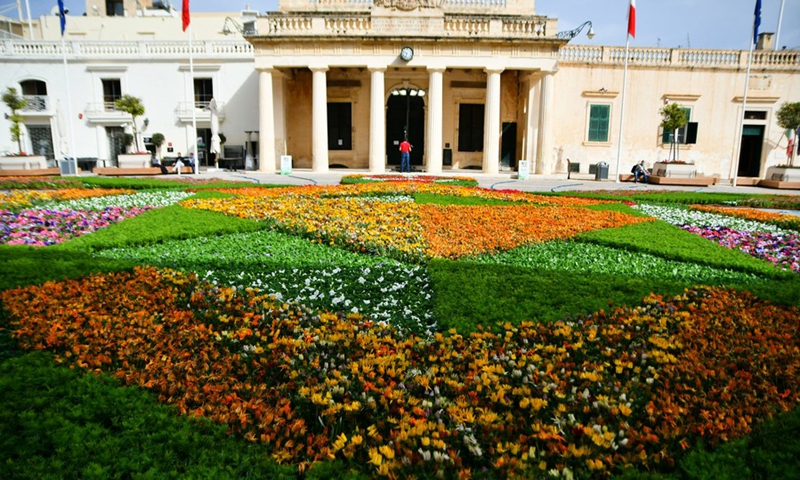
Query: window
point(470, 127)
point(599, 116)
point(35, 94)
point(340, 126)
point(115, 8)
point(665, 136)
point(112, 90)
point(203, 92)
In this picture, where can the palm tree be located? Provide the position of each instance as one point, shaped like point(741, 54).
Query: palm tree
point(133, 106)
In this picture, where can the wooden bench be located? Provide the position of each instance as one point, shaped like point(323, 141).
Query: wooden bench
point(779, 184)
point(36, 172)
point(118, 172)
point(685, 181)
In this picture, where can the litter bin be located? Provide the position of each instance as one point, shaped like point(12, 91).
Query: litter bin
point(601, 173)
point(67, 165)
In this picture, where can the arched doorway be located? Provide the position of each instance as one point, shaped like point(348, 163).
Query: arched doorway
point(405, 115)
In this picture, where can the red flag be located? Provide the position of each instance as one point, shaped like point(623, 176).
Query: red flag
point(185, 14)
point(632, 19)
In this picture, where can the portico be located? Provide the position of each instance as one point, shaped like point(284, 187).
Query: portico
point(328, 77)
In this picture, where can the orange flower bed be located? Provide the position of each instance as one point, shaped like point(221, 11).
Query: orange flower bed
point(456, 231)
point(635, 386)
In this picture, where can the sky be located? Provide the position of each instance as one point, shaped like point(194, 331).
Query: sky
point(713, 24)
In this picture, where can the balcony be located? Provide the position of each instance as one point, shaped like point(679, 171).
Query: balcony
point(36, 104)
point(105, 112)
point(200, 109)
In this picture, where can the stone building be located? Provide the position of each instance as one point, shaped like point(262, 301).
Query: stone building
point(473, 84)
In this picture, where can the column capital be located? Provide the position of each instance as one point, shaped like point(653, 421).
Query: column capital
point(377, 69)
point(318, 68)
point(436, 69)
point(274, 71)
point(494, 70)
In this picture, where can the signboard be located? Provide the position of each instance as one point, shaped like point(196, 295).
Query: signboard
point(286, 164)
point(524, 170)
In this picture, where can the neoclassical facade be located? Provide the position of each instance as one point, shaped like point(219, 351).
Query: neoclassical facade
point(473, 84)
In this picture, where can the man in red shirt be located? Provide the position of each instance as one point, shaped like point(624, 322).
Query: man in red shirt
point(405, 156)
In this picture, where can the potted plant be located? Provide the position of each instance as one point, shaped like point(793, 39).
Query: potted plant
point(158, 140)
point(133, 106)
point(15, 102)
point(673, 117)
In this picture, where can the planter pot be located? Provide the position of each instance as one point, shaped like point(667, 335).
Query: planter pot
point(783, 174)
point(686, 170)
point(133, 160)
point(31, 162)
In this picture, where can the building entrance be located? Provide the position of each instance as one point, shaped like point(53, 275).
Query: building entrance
point(405, 118)
point(750, 153)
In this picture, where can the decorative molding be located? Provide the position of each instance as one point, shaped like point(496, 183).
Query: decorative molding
point(756, 99)
point(106, 68)
point(200, 68)
point(680, 97)
point(599, 94)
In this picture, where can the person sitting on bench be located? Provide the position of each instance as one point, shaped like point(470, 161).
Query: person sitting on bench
point(637, 170)
point(156, 163)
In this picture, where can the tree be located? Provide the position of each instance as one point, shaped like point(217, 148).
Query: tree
point(673, 117)
point(789, 118)
point(15, 102)
point(133, 106)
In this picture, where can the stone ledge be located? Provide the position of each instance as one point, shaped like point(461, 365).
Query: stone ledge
point(703, 181)
point(36, 172)
point(118, 172)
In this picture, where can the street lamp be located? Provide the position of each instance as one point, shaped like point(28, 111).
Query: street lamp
point(570, 34)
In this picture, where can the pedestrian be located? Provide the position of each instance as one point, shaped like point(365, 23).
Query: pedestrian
point(178, 164)
point(405, 156)
point(156, 163)
point(192, 162)
point(637, 170)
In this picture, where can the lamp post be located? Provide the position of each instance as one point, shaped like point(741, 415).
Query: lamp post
point(570, 34)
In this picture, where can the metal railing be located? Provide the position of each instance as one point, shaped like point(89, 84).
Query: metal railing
point(36, 103)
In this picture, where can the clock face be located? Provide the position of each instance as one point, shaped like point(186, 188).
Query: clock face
point(406, 53)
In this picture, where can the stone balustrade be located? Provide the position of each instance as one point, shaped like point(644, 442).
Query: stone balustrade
point(679, 58)
point(99, 49)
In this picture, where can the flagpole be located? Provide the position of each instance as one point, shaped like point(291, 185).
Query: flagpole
point(69, 106)
point(778, 31)
point(622, 107)
point(740, 131)
point(30, 22)
point(194, 113)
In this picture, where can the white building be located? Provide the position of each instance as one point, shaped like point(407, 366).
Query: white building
point(338, 83)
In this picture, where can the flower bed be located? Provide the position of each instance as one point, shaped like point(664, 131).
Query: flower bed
point(634, 386)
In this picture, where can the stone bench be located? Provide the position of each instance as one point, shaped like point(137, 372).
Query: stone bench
point(685, 181)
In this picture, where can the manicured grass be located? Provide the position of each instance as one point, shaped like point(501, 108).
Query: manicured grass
point(428, 198)
point(77, 425)
point(670, 242)
point(22, 265)
point(157, 226)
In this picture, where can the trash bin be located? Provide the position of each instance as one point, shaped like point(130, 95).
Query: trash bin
point(601, 173)
point(67, 165)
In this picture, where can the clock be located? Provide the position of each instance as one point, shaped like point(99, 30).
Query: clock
point(407, 53)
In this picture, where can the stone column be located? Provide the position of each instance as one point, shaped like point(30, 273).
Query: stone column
point(531, 139)
point(319, 122)
point(281, 136)
point(434, 147)
point(377, 122)
point(491, 124)
point(266, 123)
point(544, 164)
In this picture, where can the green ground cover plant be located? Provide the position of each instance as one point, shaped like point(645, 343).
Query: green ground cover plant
point(547, 283)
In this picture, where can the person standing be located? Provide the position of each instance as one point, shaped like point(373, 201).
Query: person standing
point(639, 169)
point(192, 162)
point(405, 156)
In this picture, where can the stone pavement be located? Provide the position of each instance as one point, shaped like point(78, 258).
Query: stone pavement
point(501, 181)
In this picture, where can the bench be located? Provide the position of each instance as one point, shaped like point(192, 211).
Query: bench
point(232, 158)
point(685, 181)
point(36, 172)
point(118, 172)
point(781, 185)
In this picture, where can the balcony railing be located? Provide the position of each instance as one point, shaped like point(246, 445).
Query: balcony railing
point(36, 103)
point(185, 110)
point(113, 50)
